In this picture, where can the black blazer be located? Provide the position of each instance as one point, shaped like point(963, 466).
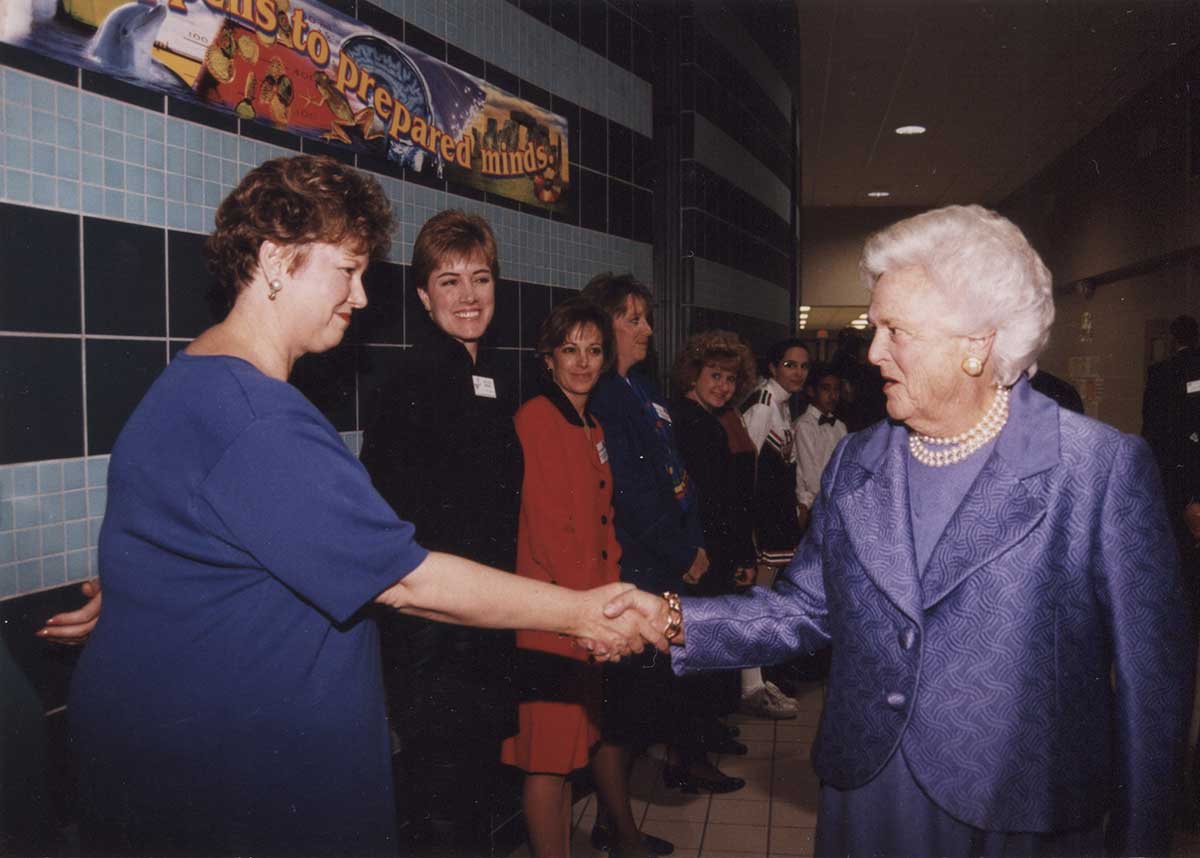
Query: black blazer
point(450, 462)
point(1171, 425)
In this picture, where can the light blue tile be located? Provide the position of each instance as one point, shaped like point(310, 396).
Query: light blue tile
point(42, 92)
point(93, 200)
point(97, 471)
point(135, 121)
point(135, 207)
point(114, 144)
point(6, 515)
point(114, 115)
point(176, 214)
point(77, 534)
point(74, 474)
point(135, 150)
point(212, 141)
point(114, 174)
point(154, 183)
point(77, 566)
point(114, 204)
point(68, 164)
point(156, 212)
point(194, 165)
point(175, 159)
point(52, 508)
point(43, 127)
point(16, 153)
point(195, 219)
point(54, 570)
point(93, 109)
point(6, 482)
point(8, 580)
point(229, 173)
point(229, 147)
point(155, 125)
point(27, 512)
point(195, 191)
point(53, 537)
point(24, 481)
point(97, 500)
point(43, 190)
point(212, 194)
point(69, 195)
point(29, 576)
point(8, 547)
point(74, 505)
point(17, 87)
point(50, 477)
point(67, 132)
point(94, 525)
point(212, 169)
point(93, 140)
point(29, 544)
point(177, 132)
point(43, 160)
point(194, 137)
point(68, 102)
point(93, 170)
point(155, 155)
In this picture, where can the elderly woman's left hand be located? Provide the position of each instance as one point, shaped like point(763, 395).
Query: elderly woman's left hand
point(73, 627)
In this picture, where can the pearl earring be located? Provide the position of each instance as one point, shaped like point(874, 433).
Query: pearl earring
point(972, 366)
point(273, 289)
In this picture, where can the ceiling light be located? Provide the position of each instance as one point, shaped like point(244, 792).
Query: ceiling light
point(804, 308)
point(862, 315)
point(879, 194)
point(910, 130)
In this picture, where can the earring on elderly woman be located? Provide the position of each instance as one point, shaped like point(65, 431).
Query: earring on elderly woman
point(273, 289)
point(972, 366)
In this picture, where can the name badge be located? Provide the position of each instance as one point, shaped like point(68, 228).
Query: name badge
point(1193, 386)
point(484, 386)
point(661, 412)
point(603, 451)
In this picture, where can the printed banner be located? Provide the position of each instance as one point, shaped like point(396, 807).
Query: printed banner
point(301, 67)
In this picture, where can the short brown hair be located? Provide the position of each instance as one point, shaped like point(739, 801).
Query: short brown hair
point(452, 234)
point(723, 348)
point(294, 202)
point(612, 292)
point(571, 314)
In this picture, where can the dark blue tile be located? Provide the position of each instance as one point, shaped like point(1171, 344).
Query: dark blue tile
point(195, 301)
point(383, 319)
point(328, 380)
point(125, 260)
point(119, 374)
point(39, 270)
point(41, 399)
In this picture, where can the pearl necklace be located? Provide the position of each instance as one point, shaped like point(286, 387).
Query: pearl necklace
point(960, 446)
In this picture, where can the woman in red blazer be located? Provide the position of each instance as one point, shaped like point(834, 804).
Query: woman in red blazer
point(566, 537)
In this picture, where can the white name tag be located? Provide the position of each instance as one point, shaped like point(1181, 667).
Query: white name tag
point(1193, 386)
point(484, 386)
point(603, 451)
point(661, 412)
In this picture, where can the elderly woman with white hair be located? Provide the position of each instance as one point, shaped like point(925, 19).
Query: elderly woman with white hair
point(1012, 668)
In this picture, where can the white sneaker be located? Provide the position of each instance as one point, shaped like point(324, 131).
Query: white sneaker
point(764, 704)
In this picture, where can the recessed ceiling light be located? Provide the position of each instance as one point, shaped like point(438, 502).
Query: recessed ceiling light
point(909, 130)
point(878, 194)
point(862, 316)
point(804, 308)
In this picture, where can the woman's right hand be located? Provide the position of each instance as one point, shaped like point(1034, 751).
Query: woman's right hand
point(653, 609)
point(611, 636)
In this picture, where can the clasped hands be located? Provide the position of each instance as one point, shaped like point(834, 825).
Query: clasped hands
point(617, 620)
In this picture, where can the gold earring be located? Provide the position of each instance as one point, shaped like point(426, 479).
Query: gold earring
point(972, 366)
point(273, 289)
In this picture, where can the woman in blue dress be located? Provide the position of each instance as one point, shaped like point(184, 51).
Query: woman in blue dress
point(230, 700)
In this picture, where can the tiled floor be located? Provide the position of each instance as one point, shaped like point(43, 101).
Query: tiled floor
point(774, 814)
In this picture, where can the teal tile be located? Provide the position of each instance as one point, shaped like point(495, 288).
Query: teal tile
point(74, 505)
point(94, 525)
point(67, 133)
point(54, 570)
point(6, 515)
point(135, 150)
point(114, 174)
point(155, 126)
point(68, 164)
point(43, 191)
point(67, 100)
point(93, 170)
point(93, 200)
point(93, 140)
point(155, 155)
point(44, 127)
point(156, 212)
point(29, 576)
point(97, 500)
point(17, 87)
point(6, 482)
point(114, 115)
point(27, 512)
point(77, 565)
point(16, 153)
point(154, 183)
point(8, 580)
point(24, 481)
point(52, 508)
point(114, 204)
point(68, 195)
point(92, 109)
point(114, 144)
point(53, 539)
point(135, 122)
point(29, 544)
point(97, 471)
point(50, 477)
point(76, 535)
point(8, 547)
point(135, 207)
point(74, 474)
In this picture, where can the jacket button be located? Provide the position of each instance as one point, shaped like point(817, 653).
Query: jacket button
point(604, 519)
point(603, 555)
point(602, 484)
point(896, 700)
point(907, 638)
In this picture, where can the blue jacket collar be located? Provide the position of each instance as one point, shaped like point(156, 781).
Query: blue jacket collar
point(1028, 444)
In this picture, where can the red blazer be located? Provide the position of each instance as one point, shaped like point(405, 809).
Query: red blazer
point(565, 535)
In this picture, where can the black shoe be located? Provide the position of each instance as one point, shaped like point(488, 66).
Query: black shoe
point(677, 776)
point(601, 838)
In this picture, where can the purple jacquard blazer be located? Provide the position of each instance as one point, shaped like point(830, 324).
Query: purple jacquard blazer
point(1039, 673)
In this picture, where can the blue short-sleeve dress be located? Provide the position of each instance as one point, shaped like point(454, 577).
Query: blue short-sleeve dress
point(230, 699)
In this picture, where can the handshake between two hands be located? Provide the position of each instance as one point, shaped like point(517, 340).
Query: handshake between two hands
point(617, 620)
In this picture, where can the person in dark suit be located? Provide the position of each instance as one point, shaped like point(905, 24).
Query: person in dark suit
point(1060, 390)
point(1012, 663)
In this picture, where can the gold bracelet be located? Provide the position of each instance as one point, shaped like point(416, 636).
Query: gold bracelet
point(674, 616)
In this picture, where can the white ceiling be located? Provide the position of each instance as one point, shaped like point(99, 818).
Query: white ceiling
point(1004, 86)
